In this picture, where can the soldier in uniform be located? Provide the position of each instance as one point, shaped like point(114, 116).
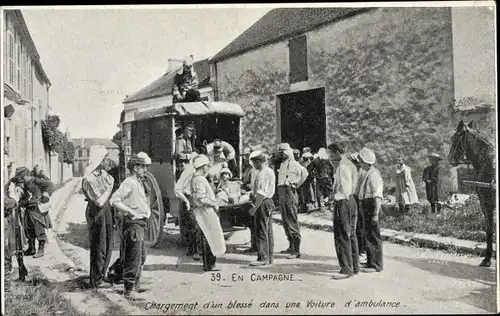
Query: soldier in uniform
point(15, 238)
point(35, 199)
point(431, 178)
point(183, 149)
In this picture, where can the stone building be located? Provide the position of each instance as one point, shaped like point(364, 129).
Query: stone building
point(82, 151)
point(26, 95)
point(377, 77)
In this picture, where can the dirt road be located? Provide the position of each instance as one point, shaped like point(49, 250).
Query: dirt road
point(413, 281)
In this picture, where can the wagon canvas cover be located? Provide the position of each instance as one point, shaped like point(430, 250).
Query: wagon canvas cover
point(205, 108)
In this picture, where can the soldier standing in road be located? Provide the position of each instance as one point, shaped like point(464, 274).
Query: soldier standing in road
point(15, 238)
point(344, 213)
point(250, 181)
point(97, 186)
point(370, 196)
point(291, 175)
point(205, 207)
point(431, 178)
point(183, 191)
point(131, 200)
point(263, 192)
point(35, 199)
point(360, 223)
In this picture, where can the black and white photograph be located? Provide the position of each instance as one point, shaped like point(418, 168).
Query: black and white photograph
point(250, 159)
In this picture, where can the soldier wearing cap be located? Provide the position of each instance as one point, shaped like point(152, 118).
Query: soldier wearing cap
point(35, 199)
point(97, 186)
point(291, 175)
point(370, 196)
point(205, 207)
point(262, 195)
point(431, 178)
point(249, 182)
point(15, 238)
point(344, 212)
point(185, 86)
point(183, 148)
point(183, 191)
point(131, 200)
point(360, 223)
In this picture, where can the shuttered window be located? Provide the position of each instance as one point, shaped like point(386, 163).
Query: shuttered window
point(10, 53)
point(298, 59)
point(18, 62)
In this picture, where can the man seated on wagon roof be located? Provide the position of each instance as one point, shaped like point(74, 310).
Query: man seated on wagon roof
point(185, 87)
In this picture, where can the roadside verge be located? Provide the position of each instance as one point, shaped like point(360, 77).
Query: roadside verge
point(447, 244)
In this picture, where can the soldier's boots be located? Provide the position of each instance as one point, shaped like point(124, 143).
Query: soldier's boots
point(41, 250)
point(31, 248)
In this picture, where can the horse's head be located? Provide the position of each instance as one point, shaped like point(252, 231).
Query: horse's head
point(458, 150)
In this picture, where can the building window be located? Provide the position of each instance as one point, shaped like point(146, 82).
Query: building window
point(10, 53)
point(298, 59)
point(30, 78)
point(80, 153)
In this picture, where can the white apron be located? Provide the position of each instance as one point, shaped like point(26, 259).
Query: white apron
point(207, 219)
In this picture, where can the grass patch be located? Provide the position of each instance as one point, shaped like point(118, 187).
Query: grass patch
point(464, 222)
point(35, 297)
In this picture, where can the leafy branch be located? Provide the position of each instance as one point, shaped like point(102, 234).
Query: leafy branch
point(56, 141)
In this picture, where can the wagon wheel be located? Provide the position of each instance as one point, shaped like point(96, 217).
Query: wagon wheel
point(157, 218)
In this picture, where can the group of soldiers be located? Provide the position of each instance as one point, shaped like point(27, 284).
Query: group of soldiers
point(27, 204)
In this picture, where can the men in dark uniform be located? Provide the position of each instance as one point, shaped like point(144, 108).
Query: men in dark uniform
point(15, 238)
point(262, 195)
point(431, 178)
point(39, 173)
point(183, 149)
point(291, 176)
point(35, 200)
point(97, 186)
point(344, 213)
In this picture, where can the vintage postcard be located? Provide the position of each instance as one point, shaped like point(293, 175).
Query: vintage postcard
point(264, 159)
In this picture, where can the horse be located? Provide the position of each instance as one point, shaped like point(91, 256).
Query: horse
point(468, 143)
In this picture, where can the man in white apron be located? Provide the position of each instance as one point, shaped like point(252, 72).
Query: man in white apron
point(204, 208)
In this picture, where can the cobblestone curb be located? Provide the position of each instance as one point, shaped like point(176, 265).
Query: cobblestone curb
point(447, 244)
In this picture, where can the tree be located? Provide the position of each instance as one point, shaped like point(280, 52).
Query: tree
point(117, 138)
point(68, 152)
point(56, 141)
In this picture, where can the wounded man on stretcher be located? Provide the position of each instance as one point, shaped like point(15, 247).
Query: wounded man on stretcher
point(229, 192)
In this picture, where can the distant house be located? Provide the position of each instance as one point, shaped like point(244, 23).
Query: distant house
point(384, 78)
point(26, 94)
point(82, 150)
point(158, 94)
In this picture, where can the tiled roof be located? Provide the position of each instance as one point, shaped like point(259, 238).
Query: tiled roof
point(89, 142)
point(163, 85)
point(282, 23)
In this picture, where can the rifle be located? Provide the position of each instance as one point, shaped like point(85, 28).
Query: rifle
point(19, 230)
point(478, 184)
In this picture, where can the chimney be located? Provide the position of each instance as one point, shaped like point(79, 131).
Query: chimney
point(174, 63)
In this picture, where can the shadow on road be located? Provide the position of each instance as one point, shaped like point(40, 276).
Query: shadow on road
point(484, 298)
point(76, 234)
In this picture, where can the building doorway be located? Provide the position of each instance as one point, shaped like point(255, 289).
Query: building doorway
point(303, 119)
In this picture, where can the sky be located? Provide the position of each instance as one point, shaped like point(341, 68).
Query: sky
point(95, 57)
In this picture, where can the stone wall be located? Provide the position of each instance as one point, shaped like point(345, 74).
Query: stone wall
point(388, 78)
